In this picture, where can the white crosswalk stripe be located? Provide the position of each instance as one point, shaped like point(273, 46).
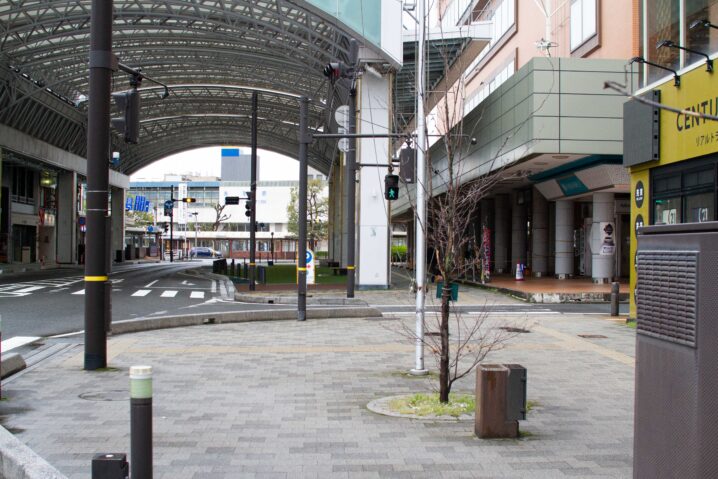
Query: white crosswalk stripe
point(82, 291)
point(197, 295)
point(170, 293)
point(30, 289)
point(142, 292)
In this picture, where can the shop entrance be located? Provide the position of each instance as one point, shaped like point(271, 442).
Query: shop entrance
point(23, 243)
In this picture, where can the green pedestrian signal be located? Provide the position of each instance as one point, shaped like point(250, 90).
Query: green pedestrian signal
point(391, 187)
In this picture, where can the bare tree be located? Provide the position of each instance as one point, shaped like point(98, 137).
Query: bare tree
point(220, 216)
point(456, 190)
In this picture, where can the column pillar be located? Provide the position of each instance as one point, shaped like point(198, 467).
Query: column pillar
point(66, 220)
point(602, 265)
point(373, 228)
point(564, 239)
point(539, 235)
point(118, 222)
point(501, 233)
point(518, 232)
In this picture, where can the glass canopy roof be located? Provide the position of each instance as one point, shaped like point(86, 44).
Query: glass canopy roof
point(212, 53)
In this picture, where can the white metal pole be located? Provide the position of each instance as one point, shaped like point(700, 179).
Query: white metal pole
point(420, 243)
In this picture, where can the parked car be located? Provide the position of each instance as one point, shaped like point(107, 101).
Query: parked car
point(204, 252)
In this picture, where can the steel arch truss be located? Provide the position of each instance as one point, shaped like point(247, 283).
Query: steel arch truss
point(212, 52)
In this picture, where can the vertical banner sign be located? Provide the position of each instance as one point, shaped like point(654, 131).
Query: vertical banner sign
point(310, 267)
point(486, 255)
point(608, 243)
point(182, 209)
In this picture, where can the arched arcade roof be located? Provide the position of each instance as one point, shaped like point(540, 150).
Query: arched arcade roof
point(212, 53)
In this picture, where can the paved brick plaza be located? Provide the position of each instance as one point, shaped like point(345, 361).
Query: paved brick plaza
point(288, 399)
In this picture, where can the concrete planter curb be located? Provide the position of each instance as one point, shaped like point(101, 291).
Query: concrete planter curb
point(18, 461)
point(292, 299)
point(11, 363)
point(164, 322)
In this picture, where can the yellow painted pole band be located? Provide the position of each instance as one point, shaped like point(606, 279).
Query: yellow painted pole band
point(252, 264)
point(350, 267)
point(301, 269)
point(96, 278)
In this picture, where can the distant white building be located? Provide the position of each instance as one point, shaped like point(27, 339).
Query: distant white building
point(194, 223)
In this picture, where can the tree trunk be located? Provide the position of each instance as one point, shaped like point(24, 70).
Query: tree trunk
point(444, 373)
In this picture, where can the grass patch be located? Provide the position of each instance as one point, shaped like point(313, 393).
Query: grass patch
point(428, 405)
point(631, 324)
point(523, 434)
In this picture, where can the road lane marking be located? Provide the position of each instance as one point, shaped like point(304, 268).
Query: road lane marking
point(197, 295)
point(214, 287)
point(30, 289)
point(82, 291)
point(142, 292)
point(148, 285)
point(17, 341)
point(170, 293)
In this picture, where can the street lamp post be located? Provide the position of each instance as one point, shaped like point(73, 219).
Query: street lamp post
point(271, 245)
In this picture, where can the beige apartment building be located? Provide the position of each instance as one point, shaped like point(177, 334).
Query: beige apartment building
point(534, 99)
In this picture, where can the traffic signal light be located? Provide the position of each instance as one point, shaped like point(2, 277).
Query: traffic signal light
point(128, 102)
point(391, 187)
point(189, 200)
point(231, 200)
point(248, 206)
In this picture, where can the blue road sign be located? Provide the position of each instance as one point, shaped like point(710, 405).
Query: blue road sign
point(310, 256)
point(169, 204)
point(128, 204)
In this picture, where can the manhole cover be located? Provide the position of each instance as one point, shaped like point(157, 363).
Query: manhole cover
point(592, 336)
point(113, 395)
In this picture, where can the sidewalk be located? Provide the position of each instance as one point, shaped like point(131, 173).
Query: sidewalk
point(288, 399)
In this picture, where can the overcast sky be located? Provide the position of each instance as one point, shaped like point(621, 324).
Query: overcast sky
point(206, 162)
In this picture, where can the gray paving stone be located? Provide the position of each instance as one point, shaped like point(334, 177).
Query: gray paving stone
point(288, 399)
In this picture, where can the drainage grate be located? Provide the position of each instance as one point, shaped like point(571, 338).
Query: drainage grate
point(592, 336)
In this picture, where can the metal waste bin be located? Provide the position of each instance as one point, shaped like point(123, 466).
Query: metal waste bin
point(676, 352)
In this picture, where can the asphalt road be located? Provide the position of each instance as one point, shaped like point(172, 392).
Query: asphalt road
point(51, 302)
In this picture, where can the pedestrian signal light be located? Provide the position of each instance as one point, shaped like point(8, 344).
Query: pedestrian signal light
point(391, 187)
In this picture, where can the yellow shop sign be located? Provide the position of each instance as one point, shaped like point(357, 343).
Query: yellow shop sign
point(687, 136)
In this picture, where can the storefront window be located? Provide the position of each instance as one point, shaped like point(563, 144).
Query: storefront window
point(662, 22)
point(701, 38)
point(667, 211)
point(699, 208)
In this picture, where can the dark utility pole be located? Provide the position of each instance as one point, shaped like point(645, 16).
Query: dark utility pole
point(102, 64)
point(172, 223)
point(350, 180)
point(253, 198)
point(304, 140)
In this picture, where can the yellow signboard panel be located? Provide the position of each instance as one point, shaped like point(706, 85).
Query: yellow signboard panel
point(684, 136)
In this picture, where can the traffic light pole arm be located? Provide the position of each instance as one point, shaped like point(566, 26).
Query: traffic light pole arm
point(141, 76)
